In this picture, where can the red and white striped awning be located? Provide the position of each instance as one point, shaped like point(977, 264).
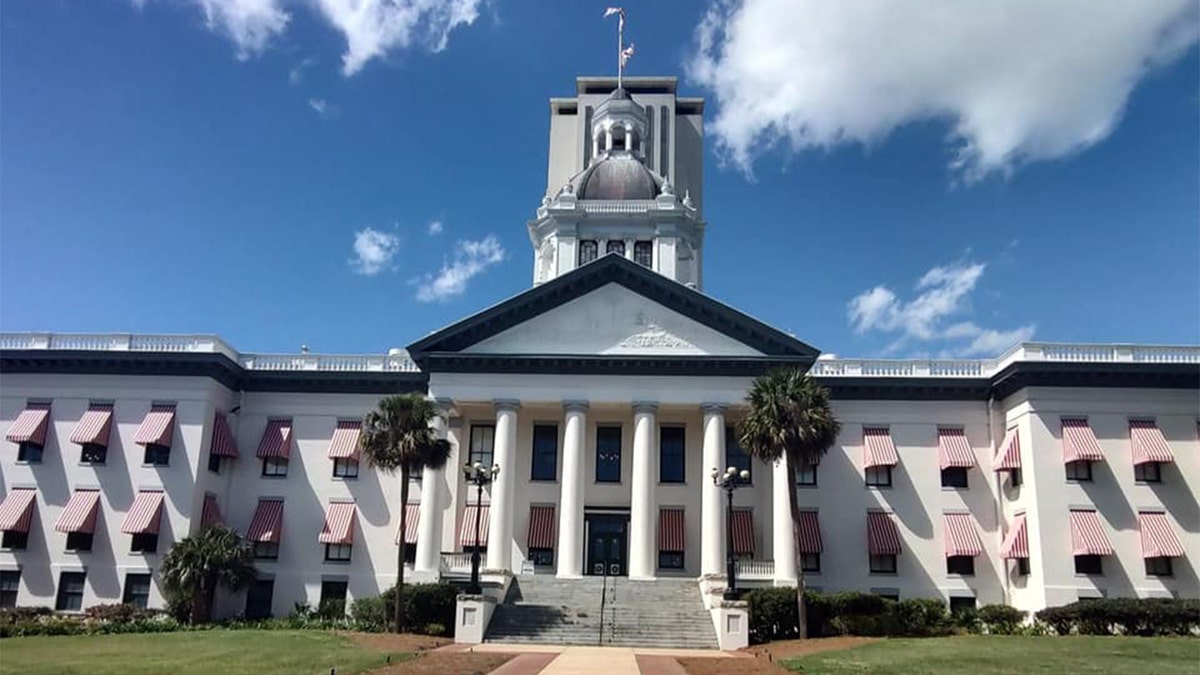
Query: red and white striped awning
point(1009, 457)
point(1016, 542)
point(339, 524)
point(882, 536)
point(267, 523)
point(1087, 534)
point(878, 449)
point(810, 533)
point(954, 449)
point(671, 530)
point(471, 516)
point(276, 440)
point(1079, 441)
point(94, 426)
point(30, 426)
point(412, 524)
point(1158, 539)
point(16, 511)
point(158, 426)
point(223, 443)
point(145, 514)
point(345, 442)
point(1149, 444)
point(961, 535)
point(542, 526)
point(210, 513)
point(743, 532)
point(79, 515)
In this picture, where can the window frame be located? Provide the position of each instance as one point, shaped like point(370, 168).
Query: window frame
point(1147, 472)
point(275, 467)
point(1162, 567)
point(257, 596)
point(135, 597)
point(803, 471)
point(670, 560)
point(75, 538)
point(960, 565)
point(345, 468)
point(543, 454)
point(326, 597)
point(1079, 472)
point(961, 600)
point(29, 452)
point(644, 247)
point(876, 566)
point(339, 553)
point(609, 462)
point(10, 588)
point(14, 540)
point(266, 550)
point(154, 454)
point(615, 246)
point(1087, 569)
point(143, 542)
point(587, 246)
point(541, 557)
point(871, 476)
point(674, 478)
point(65, 596)
point(477, 455)
point(953, 475)
point(810, 562)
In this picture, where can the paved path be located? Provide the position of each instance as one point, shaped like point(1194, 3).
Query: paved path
point(559, 660)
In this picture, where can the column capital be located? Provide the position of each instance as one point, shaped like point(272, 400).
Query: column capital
point(575, 405)
point(506, 405)
point(650, 407)
point(444, 405)
point(714, 408)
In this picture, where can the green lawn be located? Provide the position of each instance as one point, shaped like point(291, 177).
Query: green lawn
point(981, 655)
point(227, 652)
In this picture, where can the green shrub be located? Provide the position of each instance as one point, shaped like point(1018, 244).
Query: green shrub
point(434, 629)
point(423, 606)
point(773, 614)
point(1000, 619)
point(1126, 616)
point(920, 617)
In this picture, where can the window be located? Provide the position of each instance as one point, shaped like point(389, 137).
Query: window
point(959, 604)
point(587, 251)
point(70, 591)
point(258, 598)
point(883, 564)
point(14, 540)
point(879, 476)
point(266, 550)
point(1158, 567)
point(93, 453)
point(137, 590)
point(333, 597)
point(275, 467)
point(608, 454)
point(736, 457)
point(545, 452)
point(410, 553)
point(541, 557)
point(1079, 471)
point(214, 462)
point(30, 453)
point(1150, 472)
point(670, 560)
point(1088, 564)
point(643, 253)
point(1022, 567)
point(806, 475)
point(671, 450)
point(810, 562)
point(345, 467)
point(954, 477)
point(338, 552)
point(1014, 478)
point(615, 246)
point(960, 564)
point(483, 439)
point(79, 541)
point(145, 542)
point(10, 586)
point(157, 455)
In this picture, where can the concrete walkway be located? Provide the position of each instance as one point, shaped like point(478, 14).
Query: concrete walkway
point(562, 660)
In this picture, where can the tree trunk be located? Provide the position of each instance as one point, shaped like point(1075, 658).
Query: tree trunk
point(400, 548)
point(794, 503)
point(202, 602)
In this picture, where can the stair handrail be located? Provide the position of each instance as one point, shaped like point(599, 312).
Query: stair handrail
point(603, 597)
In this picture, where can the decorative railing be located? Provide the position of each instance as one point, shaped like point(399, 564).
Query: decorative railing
point(617, 207)
point(754, 569)
point(456, 563)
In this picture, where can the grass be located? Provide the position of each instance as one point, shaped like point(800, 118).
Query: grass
point(980, 655)
point(228, 652)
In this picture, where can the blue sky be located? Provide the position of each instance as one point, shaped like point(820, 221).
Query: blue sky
point(164, 170)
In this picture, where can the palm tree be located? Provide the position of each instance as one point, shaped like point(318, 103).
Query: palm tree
point(397, 436)
point(196, 565)
point(790, 418)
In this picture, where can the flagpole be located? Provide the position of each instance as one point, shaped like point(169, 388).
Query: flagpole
point(620, 48)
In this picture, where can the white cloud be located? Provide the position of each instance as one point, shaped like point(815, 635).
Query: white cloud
point(436, 228)
point(470, 259)
point(942, 293)
point(251, 24)
point(296, 74)
point(322, 107)
point(373, 251)
point(1017, 80)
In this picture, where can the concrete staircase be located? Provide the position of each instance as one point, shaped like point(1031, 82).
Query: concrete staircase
point(660, 613)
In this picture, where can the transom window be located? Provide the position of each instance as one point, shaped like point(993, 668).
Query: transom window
point(588, 251)
point(545, 452)
point(137, 590)
point(483, 440)
point(671, 449)
point(643, 253)
point(608, 454)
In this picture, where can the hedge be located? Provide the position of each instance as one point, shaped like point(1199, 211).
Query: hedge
point(1124, 616)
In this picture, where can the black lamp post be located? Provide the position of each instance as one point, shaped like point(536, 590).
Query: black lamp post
point(730, 481)
point(479, 476)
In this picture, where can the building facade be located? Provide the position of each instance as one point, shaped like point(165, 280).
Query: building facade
point(606, 394)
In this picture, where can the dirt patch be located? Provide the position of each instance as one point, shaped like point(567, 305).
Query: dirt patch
point(403, 642)
point(765, 658)
point(447, 663)
point(790, 649)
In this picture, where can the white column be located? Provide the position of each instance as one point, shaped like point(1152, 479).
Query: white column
point(643, 558)
point(783, 548)
point(712, 513)
point(500, 517)
point(608, 139)
point(429, 531)
point(570, 503)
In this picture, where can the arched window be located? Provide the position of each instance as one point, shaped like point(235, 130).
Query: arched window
point(616, 246)
point(587, 251)
point(643, 253)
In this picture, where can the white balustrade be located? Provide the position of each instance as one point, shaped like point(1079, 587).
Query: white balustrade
point(618, 207)
point(456, 563)
point(754, 569)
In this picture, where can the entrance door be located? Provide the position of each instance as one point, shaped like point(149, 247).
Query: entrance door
point(607, 544)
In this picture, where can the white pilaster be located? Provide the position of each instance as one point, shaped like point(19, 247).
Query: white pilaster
point(783, 548)
point(429, 530)
point(570, 503)
point(642, 547)
point(712, 515)
point(500, 523)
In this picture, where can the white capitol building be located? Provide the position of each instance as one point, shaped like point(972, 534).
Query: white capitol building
point(605, 393)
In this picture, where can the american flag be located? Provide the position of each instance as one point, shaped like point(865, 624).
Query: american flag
point(626, 54)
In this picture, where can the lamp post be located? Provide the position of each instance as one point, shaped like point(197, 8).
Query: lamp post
point(730, 481)
point(479, 476)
